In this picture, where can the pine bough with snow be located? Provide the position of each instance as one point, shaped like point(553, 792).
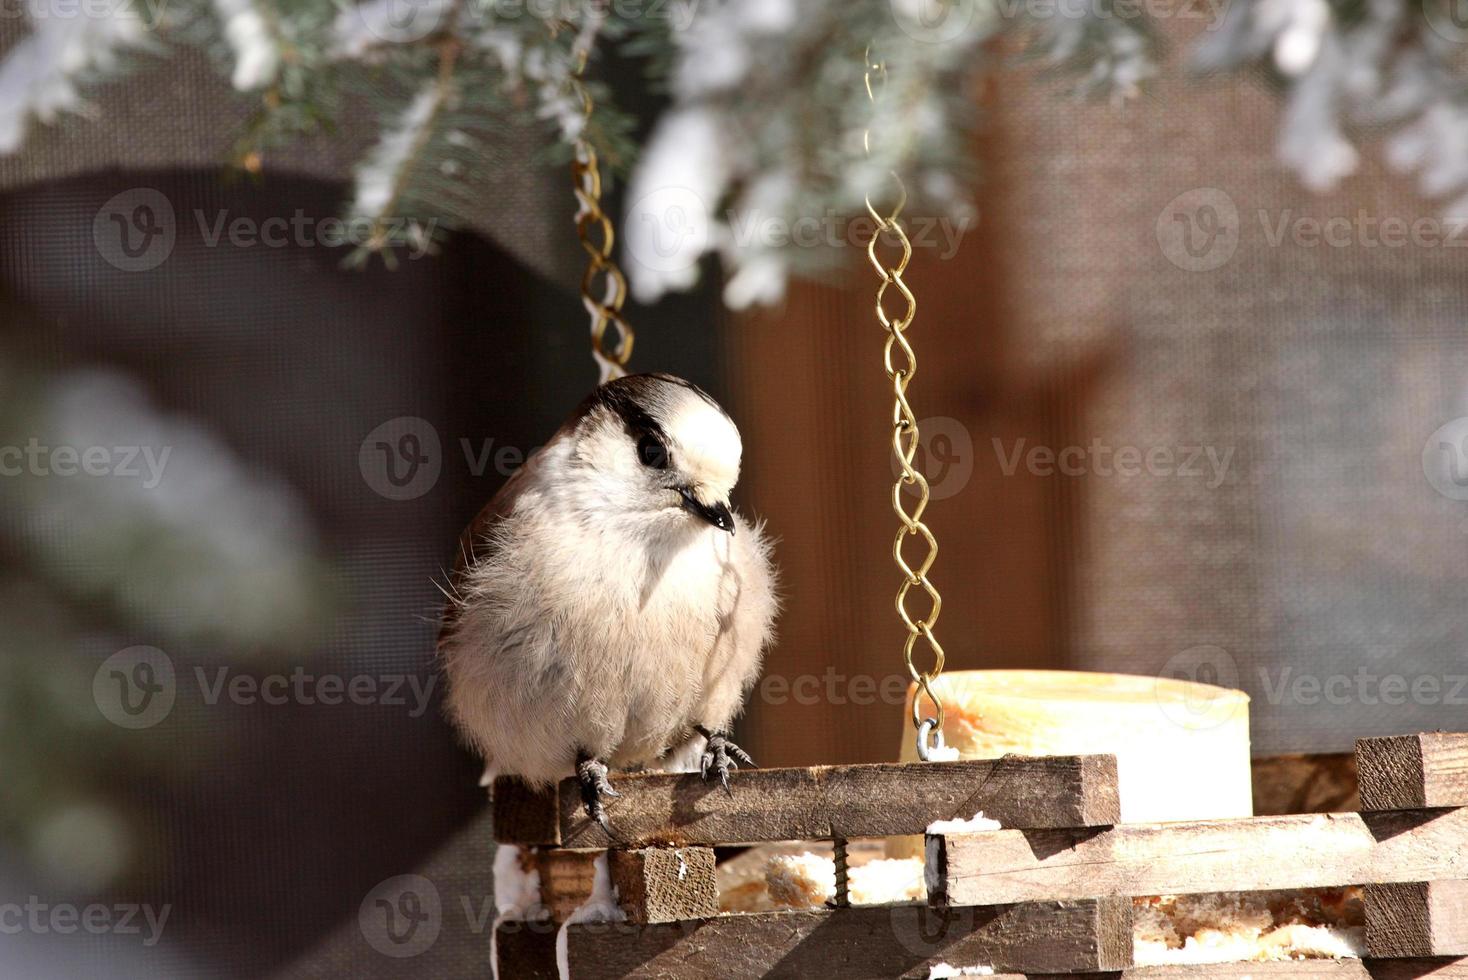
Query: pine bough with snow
point(763, 132)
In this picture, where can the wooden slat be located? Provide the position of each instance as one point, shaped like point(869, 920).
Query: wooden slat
point(1417, 918)
point(890, 941)
point(1412, 771)
point(1245, 854)
point(1425, 969)
point(566, 878)
point(817, 803)
point(665, 884)
point(526, 950)
point(523, 815)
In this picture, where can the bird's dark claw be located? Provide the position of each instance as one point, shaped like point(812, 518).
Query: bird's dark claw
point(591, 774)
point(721, 756)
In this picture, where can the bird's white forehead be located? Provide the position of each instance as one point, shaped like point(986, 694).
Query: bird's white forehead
point(706, 444)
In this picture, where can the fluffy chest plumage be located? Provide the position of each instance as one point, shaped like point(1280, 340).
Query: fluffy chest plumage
point(658, 591)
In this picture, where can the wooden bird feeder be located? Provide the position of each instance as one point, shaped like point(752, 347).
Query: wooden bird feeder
point(1050, 895)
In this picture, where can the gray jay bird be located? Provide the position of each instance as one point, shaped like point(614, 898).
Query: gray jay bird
point(608, 608)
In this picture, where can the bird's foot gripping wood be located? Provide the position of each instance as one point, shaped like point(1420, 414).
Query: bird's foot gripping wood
point(721, 756)
point(592, 775)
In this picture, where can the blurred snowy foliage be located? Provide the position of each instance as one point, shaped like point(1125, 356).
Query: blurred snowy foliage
point(122, 520)
point(767, 104)
point(1348, 69)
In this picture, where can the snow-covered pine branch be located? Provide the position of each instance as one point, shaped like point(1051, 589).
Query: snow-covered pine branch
point(250, 29)
point(384, 177)
point(69, 46)
point(1385, 64)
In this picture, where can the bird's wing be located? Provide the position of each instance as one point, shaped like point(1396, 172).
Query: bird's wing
point(477, 537)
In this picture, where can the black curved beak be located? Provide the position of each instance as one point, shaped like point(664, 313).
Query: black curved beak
point(716, 514)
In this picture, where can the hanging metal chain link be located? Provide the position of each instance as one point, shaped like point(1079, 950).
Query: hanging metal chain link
point(603, 287)
point(901, 364)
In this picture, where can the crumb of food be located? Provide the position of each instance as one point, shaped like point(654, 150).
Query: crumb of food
point(940, 971)
point(975, 823)
point(1321, 923)
point(1214, 948)
point(800, 881)
point(809, 880)
point(746, 896)
point(886, 880)
point(1297, 941)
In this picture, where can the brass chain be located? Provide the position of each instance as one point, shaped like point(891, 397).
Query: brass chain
point(901, 364)
point(598, 239)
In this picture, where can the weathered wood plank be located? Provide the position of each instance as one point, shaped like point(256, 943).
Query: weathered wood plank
point(1405, 772)
point(523, 815)
point(1315, 783)
point(1417, 918)
point(1413, 969)
point(1244, 854)
point(665, 884)
point(526, 950)
point(566, 878)
point(818, 803)
point(888, 941)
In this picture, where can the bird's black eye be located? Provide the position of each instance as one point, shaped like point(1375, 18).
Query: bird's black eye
point(652, 452)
